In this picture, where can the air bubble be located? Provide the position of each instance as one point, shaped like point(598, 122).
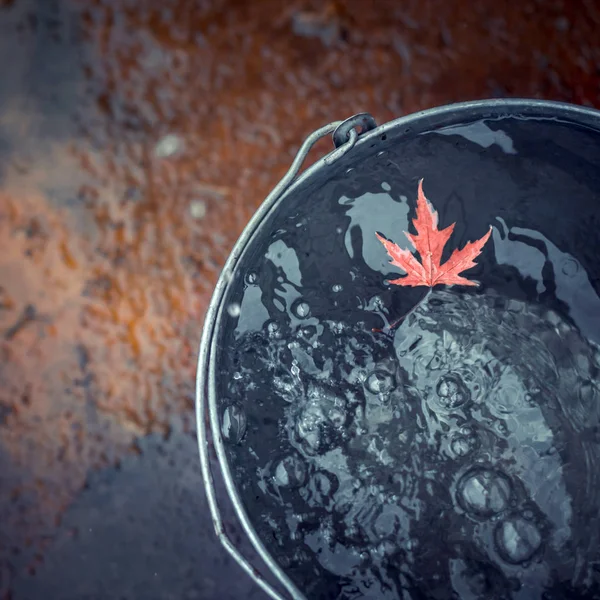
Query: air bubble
point(310, 426)
point(234, 423)
point(464, 442)
point(484, 492)
point(380, 382)
point(377, 303)
point(250, 278)
point(357, 375)
point(337, 288)
point(301, 309)
point(435, 363)
point(307, 333)
point(337, 327)
point(460, 446)
point(290, 472)
point(337, 417)
point(234, 309)
point(273, 330)
point(452, 391)
point(502, 428)
point(517, 539)
point(570, 267)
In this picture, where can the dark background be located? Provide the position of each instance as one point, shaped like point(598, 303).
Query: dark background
point(136, 139)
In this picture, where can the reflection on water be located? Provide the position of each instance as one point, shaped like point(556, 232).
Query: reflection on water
point(564, 275)
point(459, 454)
point(481, 133)
point(474, 447)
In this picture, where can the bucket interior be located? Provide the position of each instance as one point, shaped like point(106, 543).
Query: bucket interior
point(458, 453)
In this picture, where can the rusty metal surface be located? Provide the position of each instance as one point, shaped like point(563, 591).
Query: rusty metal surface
point(136, 139)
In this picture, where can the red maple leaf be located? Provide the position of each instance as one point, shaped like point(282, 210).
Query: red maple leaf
point(429, 242)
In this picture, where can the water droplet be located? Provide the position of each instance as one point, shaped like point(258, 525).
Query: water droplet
point(336, 288)
point(234, 309)
point(484, 492)
point(250, 278)
point(290, 472)
point(301, 309)
point(517, 539)
point(452, 391)
point(237, 375)
point(380, 382)
point(234, 423)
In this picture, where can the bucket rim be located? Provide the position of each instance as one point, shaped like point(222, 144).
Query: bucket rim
point(444, 115)
point(431, 118)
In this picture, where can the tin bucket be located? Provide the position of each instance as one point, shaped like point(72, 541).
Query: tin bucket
point(456, 453)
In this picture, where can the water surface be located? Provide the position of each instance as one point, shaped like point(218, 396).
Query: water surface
point(458, 456)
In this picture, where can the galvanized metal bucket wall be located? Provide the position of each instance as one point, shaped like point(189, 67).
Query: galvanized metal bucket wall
point(357, 141)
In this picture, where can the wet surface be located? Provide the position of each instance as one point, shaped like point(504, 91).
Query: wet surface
point(461, 447)
point(136, 140)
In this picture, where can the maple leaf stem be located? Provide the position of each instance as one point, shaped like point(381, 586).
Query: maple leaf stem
point(392, 326)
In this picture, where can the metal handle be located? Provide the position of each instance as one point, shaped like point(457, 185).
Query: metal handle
point(344, 130)
point(205, 415)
